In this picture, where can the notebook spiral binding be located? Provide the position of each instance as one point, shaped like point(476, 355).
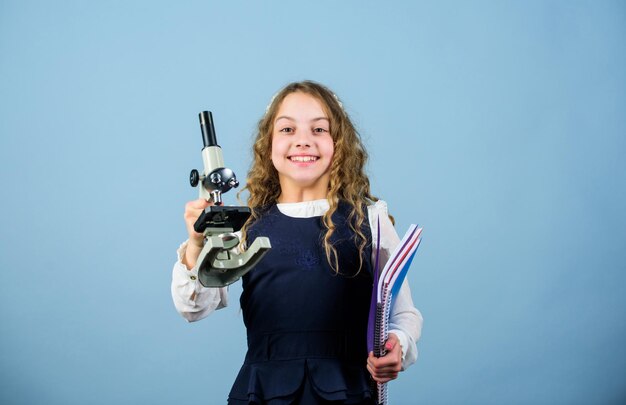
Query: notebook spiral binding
point(380, 338)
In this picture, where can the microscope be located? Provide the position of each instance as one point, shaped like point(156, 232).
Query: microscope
point(220, 263)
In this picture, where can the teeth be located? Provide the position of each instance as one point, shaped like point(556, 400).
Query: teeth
point(303, 158)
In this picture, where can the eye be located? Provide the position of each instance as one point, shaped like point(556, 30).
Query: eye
point(286, 130)
point(320, 130)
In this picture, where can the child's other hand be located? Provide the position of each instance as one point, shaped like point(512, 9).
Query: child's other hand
point(386, 368)
point(193, 209)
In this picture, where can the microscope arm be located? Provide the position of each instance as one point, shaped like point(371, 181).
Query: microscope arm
point(219, 267)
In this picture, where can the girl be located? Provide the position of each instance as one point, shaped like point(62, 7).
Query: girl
point(305, 305)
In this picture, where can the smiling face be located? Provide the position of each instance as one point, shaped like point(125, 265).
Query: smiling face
point(302, 148)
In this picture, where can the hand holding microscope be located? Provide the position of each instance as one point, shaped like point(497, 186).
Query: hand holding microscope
point(220, 263)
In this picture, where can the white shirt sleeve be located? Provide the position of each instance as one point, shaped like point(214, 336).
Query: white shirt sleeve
point(192, 300)
point(405, 320)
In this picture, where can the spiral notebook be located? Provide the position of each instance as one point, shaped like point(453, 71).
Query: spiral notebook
point(387, 285)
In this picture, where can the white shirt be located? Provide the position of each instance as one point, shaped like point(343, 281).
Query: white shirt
point(195, 302)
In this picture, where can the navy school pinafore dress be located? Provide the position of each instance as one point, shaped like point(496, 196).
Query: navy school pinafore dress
point(306, 325)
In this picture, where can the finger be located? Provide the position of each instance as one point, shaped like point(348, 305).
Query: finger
point(194, 208)
point(384, 379)
point(391, 342)
point(386, 361)
point(198, 204)
point(378, 377)
point(381, 376)
point(394, 350)
point(383, 371)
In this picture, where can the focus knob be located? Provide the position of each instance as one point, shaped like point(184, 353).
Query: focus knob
point(194, 178)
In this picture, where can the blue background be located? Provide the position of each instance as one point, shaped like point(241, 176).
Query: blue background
point(498, 126)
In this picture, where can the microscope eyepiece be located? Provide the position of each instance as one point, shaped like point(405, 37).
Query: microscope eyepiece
point(208, 129)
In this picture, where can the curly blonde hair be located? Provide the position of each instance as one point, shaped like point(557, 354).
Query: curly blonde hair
point(348, 181)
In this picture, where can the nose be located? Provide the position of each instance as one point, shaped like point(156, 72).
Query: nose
point(303, 144)
point(302, 141)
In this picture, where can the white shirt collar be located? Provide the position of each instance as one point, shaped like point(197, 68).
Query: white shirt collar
point(305, 209)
